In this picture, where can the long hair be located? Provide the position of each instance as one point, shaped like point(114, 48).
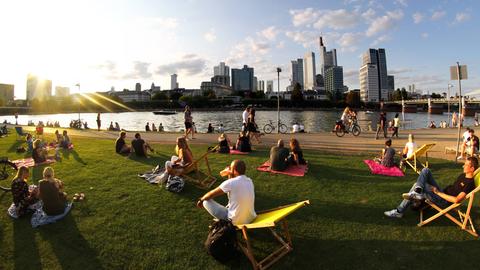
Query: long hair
point(21, 172)
point(48, 172)
point(182, 143)
point(294, 145)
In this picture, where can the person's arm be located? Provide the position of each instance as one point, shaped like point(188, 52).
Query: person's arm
point(180, 157)
point(405, 150)
point(450, 198)
point(209, 195)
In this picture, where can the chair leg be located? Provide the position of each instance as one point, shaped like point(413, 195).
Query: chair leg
point(247, 249)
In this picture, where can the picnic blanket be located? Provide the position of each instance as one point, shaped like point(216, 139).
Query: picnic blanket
point(53, 145)
point(28, 162)
point(155, 176)
point(377, 168)
point(292, 170)
point(236, 152)
point(12, 210)
point(40, 218)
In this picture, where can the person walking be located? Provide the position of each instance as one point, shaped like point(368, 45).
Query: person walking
point(188, 122)
point(382, 125)
point(99, 122)
point(396, 125)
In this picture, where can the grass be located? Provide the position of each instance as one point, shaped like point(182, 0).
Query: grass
point(126, 223)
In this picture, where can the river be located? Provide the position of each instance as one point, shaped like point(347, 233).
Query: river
point(314, 121)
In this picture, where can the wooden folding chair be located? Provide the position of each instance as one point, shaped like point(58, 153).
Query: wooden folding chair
point(464, 220)
point(20, 133)
point(414, 161)
point(269, 219)
point(204, 180)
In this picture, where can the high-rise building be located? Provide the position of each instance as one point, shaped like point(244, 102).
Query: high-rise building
point(6, 92)
point(269, 86)
point(255, 83)
point(327, 58)
point(221, 70)
point(173, 82)
point(297, 72)
point(61, 91)
point(242, 79)
point(138, 87)
point(334, 81)
point(378, 58)
point(369, 83)
point(309, 71)
point(261, 85)
point(38, 88)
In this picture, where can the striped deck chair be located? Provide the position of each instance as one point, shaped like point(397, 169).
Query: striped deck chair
point(464, 220)
point(269, 219)
point(193, 174)
point(414, 161)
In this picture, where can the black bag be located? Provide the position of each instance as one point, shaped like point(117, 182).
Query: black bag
point(221, 242)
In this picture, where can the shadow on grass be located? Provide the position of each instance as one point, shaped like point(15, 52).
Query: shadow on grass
point(66, 154)
point(25, 251)
point(14, 146)
point(151, 160)
point(71, 249)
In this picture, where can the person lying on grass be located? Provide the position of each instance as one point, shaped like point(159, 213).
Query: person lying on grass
point(50, 191)
point(241, 196)
point(179, 162)
point(296, 153)
point(120, 146)
point(140, 147)
point(22, 196)
point(278, 157)
point(427, 188)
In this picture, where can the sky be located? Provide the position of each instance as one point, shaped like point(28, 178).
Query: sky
point(100, 44)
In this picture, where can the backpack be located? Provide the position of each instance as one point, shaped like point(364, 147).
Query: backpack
point(221, 242)
point(175, 184)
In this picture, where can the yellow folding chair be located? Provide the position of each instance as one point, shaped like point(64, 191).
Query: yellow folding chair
point(204, 180)
point(464, 220)
point(414, 161)
point(269, 219)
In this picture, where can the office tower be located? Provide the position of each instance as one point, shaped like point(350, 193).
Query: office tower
point(334, 81)
point(309, 71)
point(221, 70)
point(38, 88)
point(255, 84)
point(269, 86)
point(261, 85)
point(297, 72)
point(378, 58)
point(61, 91)
point(327, 58)
point(369, 83)
point(173, 81)
point(6, 92)
point(138, 87)
point(242, 79)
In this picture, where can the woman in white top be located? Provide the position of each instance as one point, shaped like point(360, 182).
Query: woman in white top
point(410, 147)
point(396, 125)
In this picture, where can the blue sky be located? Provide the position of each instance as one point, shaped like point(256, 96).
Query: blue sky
point(100, 44)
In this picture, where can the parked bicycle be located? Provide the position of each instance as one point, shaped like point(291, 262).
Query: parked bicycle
point(268, 128)
point(354, 128)
point(8, 170)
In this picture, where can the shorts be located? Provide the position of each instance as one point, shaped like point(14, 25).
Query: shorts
point(188, 125)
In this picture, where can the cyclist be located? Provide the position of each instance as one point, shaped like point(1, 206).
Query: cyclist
point(344, 119)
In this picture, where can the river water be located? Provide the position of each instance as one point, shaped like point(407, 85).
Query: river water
point(314, 121)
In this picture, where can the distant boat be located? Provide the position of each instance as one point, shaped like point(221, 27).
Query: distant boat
point(368, 112)
point(165, 112)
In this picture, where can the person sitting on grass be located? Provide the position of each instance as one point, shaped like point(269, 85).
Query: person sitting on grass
point(160, 127)
point(223, 144)
point(65, 140)
point(39, 153)
point(58, 137)
point(278, 157)
point(243, 142)
point(147, 127)
point(388, 155)
point(50, 191)
point(296, 153)
point(117, 126)
point(241, 196)
point(22, 197)
point(470, 145)
point(120, 146)
point(427, 188)
point(140, 147)
point(154, 128)
point(29, 141)
point(177, 163)
point(111, 128)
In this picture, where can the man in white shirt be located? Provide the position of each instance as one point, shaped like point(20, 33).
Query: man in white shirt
point(241, 196)
point(295, 128)
point(245, 115)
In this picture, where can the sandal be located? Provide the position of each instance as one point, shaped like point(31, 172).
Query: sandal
point(75, 197)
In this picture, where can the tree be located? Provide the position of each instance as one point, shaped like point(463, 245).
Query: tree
point(353, 99)
point(210, 94)
point(435, 95)
point(175, 96)
point(297, 94)
point(160, 96)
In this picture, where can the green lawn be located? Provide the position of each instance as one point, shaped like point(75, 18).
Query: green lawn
point(127, 223)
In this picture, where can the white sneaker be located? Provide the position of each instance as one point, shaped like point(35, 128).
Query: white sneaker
point(412, 195)
point(459, 158)
point(393, 213)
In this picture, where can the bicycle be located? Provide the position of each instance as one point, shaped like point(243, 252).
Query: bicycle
point(354, 128)
point(268, 128)
point(8, 170)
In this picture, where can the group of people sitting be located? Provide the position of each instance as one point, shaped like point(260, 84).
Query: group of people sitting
point(52, 124)
point(388, 154)
point(114, 128)
point(298, 128)
point(281, 157)
point(154, 128)
point(49, 191)
point(39, 149)
point(470, 144)
point(242, 144)
point(138, 145)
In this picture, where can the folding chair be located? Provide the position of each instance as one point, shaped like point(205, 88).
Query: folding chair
point(204, 180)
point(465, 221)
point(20, 133)
point(414, 161)
point(269, 219)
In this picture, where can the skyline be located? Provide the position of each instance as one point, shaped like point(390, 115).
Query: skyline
point(120, 43)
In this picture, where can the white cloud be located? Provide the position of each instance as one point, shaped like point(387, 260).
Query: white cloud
point(401, 2)
point(417, 17)
point(438, 15)
point(381, 39)
point(189, 64)
point(424, 35)
point(210, 35)
point(384, 23)
point(269, 33)
point(369, 15)
point(305, 38)
point(280, 45)
point(303, 16)
point(140, 71)
point(337, 19)
point(348, 41)
point(461, 17)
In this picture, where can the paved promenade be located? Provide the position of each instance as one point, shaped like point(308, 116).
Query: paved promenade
point(325, 141)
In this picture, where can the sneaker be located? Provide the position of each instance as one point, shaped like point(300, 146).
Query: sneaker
point(393, 213)
point(412, 195)
point(459, 158)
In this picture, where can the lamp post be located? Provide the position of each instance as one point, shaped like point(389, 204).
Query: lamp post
point(448, 102)
point(78, 101)
point(278, 99)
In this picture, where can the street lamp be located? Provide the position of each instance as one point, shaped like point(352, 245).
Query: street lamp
point(78, 100)
point(448, 102)
point(278, 99)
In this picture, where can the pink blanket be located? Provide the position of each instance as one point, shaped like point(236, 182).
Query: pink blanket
point(28, 162)
point(376, 168)
point(236, 152)
point(292, 170)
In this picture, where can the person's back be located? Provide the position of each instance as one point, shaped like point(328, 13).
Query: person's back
point(38, 156)
point(296, 128)
point(411, 148)
point(137, 145)
point(244, 144)
point(278, 157)
point(223, 146)
point(241, 199)
point(53, 199)
point(119, 143)
point(388, 156)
